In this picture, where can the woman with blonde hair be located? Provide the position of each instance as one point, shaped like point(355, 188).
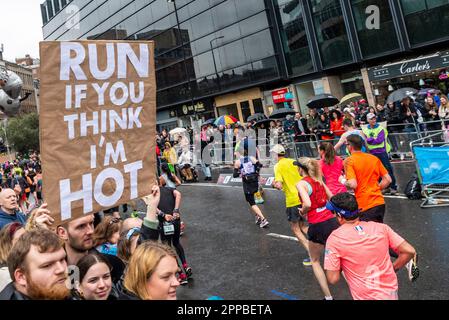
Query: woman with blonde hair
point(314, 195)
point(106, 235)
point(444, 116)
point(444, 107)
point(151, 274)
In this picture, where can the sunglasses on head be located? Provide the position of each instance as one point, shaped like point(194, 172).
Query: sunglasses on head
point(131, 232)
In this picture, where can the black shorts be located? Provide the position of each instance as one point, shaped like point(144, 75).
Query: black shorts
point(375, 214)
point(250, 199)
point(293, 214)
point(319, 232)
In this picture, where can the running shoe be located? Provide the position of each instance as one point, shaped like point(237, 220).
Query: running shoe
point(393, 192)
point(307, 262)
point(188, 272)
point(183, 279)
point(264, 223)
point(258, 220)
point(412, 268)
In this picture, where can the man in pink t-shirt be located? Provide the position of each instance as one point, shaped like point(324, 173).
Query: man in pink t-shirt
point(360, 250)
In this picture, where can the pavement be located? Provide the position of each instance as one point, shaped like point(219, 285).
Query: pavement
point(232, 258)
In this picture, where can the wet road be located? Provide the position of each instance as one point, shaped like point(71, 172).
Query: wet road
point(233, 258)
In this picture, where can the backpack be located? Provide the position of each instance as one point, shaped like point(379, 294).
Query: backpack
point(413, 189)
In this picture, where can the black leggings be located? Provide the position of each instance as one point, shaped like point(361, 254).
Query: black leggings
point(250, 199)
point(173, 240)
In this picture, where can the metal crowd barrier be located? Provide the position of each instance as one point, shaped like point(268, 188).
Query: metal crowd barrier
point(400, 137)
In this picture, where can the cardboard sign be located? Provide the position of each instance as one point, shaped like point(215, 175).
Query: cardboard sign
point(97, 124)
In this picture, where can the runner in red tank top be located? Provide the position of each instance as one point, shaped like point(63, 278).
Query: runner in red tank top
point(314, 195)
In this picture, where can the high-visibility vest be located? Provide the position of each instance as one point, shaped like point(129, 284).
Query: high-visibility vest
point(374, 133)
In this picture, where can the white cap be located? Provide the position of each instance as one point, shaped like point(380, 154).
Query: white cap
point(370, 116)
point(278, 149)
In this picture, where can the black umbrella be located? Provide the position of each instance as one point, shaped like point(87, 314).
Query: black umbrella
point(322, 100)
point(256, 117)
point(401, 94)
point(266, 122)
point(282, 113)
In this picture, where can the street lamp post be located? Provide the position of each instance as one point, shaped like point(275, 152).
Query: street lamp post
point(215, 63)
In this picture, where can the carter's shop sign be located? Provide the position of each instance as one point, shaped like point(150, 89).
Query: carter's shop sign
point(409, 67)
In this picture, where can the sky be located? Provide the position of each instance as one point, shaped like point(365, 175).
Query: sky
point(21, 28)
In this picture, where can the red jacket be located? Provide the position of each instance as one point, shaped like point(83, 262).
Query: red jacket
point(337, 127)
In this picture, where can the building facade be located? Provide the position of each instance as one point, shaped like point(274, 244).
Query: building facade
point(216, 57)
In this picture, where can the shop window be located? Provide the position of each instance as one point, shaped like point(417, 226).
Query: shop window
point(426, 20)
point(230, 110)
point(258, 106)
point(246, 111)
point(373, 41)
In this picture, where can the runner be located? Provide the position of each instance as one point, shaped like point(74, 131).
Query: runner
point(286, 177)
point(170, 225)
point(332, 167)
point(361, 251)
point(314, 195)
point(377, 142)
point(250, 143)
point(363, 172)
point(349, 130)
point(167, 178)
point(248, 168)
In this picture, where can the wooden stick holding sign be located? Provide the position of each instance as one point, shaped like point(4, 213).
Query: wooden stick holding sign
point(97, 122)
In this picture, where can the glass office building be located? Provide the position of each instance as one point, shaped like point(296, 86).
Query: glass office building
point(218, 57)
point(203, 47)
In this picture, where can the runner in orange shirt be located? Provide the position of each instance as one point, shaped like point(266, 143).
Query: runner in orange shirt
point(363, 173)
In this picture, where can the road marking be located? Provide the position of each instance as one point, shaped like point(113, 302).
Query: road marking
point(281, 236)
point(284, 295)
point(396, 197)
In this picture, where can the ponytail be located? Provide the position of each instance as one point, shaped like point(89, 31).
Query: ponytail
point(329, 152)
point(312, 168)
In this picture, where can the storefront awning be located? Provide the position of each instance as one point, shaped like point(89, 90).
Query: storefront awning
point(438, 60)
